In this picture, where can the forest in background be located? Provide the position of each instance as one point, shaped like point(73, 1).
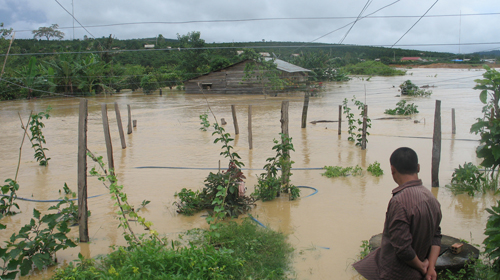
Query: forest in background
point(39, 67)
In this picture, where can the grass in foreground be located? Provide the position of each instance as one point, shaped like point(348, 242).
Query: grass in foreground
point(232, 251)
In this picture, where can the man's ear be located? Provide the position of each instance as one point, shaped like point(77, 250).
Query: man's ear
point(418, 168)
point(393, 170)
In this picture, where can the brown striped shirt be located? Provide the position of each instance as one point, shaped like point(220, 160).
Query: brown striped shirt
point(411, 228)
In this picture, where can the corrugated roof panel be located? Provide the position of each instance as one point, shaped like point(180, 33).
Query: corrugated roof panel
point(287, 67)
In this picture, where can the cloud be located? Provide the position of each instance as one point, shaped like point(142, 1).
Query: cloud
point(384, 30)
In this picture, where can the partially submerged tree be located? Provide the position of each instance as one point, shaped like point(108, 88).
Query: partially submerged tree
point(48, 32)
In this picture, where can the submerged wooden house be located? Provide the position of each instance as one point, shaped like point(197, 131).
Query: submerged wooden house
point(230, 80)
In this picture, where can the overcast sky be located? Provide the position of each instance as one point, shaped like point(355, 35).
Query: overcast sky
point(272, 20)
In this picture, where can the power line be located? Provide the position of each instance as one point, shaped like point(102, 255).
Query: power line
point(357, 19)
point(265, 19)
point(415, 23)
point(75, 19)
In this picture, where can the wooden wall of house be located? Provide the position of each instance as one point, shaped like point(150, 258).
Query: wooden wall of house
point(230, 81)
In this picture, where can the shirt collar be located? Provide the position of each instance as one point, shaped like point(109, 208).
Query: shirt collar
point(408, 184)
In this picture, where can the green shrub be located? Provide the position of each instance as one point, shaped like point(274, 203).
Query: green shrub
point(467, 179)
point(339, 171)
point(403, 109)
point(408, 88)
point(375, 169)
point(373, 68)
point(244, 251)
point(492, 241)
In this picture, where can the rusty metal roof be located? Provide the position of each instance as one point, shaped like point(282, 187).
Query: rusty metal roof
point(287, 67)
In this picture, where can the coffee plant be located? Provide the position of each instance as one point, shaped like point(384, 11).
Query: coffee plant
point(7, 201)
point(37, 139)
point(403, 109)
point(270, 184)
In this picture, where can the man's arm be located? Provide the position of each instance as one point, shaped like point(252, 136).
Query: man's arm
point(433, 256)
point(422, 267)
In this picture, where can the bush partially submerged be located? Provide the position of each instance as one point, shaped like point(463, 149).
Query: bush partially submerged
point(232, 251)
point(373, 68)
point(409, 88)
point(403, 109)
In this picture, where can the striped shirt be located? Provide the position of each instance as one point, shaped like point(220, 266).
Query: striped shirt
point(411, 227)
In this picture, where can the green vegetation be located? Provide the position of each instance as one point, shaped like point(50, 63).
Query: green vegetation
point(339, 171)
point(403, 109)
point(408, 88)
point(231, 251)
point(492, 241)
point(468, 179)
point(355, 126)
point(110, 65)
point(37, 139)
point(373, 68)
point(270, 184)
point(7, 201)
point(204, 121)
point(488, 127)
point(375, 169)
point(221, 192)
point(365, 249)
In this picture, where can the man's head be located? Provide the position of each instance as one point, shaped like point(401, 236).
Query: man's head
point(405, 161)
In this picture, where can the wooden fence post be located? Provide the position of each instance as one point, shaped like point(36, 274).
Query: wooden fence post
point(453, 126)
point(135, 123)
point(436, 145)
point(82, 172)
point(340, 119)
point(120, 126)
point(363, 134)
point(250, 139)
point(129, 127)
point(284, 130)
point(304, 109)
point(235, 120)
point(107, 137)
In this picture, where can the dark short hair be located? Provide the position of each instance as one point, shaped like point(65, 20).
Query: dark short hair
point(405, 160)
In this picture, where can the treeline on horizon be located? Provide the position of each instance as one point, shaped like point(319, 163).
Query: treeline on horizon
point(92, 66)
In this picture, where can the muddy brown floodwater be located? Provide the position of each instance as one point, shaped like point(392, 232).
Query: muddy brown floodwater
point(326, 229)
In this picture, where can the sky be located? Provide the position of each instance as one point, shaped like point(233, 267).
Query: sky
point(334, 21)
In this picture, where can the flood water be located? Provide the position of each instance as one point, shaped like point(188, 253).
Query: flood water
point(326, 229)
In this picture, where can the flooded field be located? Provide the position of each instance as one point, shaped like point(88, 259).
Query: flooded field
point(326, 229)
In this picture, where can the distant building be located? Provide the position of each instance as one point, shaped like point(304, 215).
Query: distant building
point(266, 54)
point(295, 54)
point(411, 59)
point(229, 80)
point(150, 46)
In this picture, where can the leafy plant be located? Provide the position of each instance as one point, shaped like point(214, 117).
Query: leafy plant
point(232, 251)
point(204, 121)
point(7, 201)
point(403, 109)
point(339, 171)
point(127, 212)
point(351, 122)
point(409, 88)
point(70, 210)
point(221, 192)
point(365, 249)
point(355, 126)
point(35, 244)
point(37, 139)
point(492, 241)
point(375, 169)
point(466, 179)
point(269, 183)
point(488, 127)
point(359, 134)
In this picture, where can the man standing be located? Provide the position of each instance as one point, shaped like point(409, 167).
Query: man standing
point(411, 240)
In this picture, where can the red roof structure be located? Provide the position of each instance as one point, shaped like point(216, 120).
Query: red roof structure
point(411, 59)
